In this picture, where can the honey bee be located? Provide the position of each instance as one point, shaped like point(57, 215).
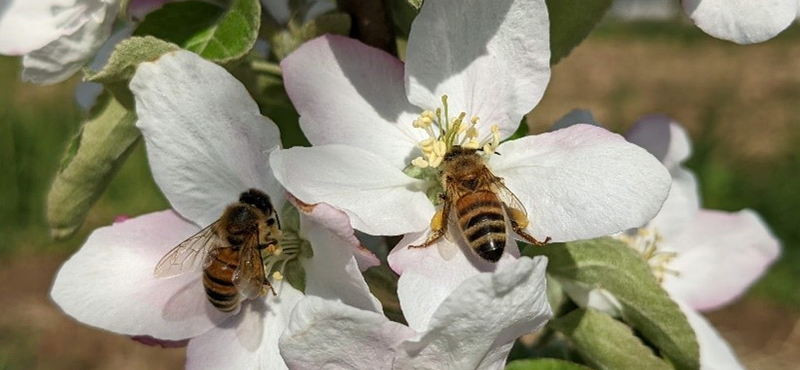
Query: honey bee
point(230, 250)
point(481, 204)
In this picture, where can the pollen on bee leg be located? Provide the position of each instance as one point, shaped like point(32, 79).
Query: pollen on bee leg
point(519, 217)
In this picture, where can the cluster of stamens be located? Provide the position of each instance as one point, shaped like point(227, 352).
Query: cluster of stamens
point(278, 255)
point(445, 131)
point(646, 241)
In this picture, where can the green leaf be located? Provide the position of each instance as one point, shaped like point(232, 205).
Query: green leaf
point(522, 130)
point(570, 23)
point(178, 22)
point(606, 343)
point(212, 32)
point(122, 64)
point(611, 265)
point(545, 364)
point(92, 159)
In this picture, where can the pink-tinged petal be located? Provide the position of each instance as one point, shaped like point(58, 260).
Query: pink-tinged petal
point(206, 140)
point(476, 325)
point(378, 197)
point(250, 339)
point(663, 138)
point(349, 93)
point(741, 21)
point(154, 342)
point(109, 282)
point(333, 272)
point(492, 58)
point(61, 58)
point(337, 222)
point(718, 257)
point(330, 335)
point(582, 182)
point(715, 353)
point(27, 25)
point(429, 275)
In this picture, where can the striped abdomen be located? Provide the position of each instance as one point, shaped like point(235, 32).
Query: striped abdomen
point(482, 221)
point(218, 278)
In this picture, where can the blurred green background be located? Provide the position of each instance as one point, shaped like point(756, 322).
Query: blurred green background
point(739, 104)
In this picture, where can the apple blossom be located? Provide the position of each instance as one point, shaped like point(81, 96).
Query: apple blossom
point(59, 37)
point(741, 21)
point(473, 328)
point(473, 70)
point(703, 258)
point(207, 142)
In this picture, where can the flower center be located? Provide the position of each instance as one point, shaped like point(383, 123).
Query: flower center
point(645, 241)
point(282, 261)
point(445, 131)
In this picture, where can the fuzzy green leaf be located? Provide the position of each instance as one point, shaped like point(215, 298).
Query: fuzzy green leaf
point(545, 364)
point(416, 4)
point(179, 22)
point(611, 265)
point(606, 343)
point(122, 64)
point(570, 23)
point(92, 159)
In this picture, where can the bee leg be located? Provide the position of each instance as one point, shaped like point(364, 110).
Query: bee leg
point(268, 285)
point(519, 222)
point(438, 224)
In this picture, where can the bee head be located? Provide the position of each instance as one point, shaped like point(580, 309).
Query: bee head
point(258, 199)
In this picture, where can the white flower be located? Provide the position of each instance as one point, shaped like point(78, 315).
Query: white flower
point(473, 328)
point(741, 21)
point(206, 143)
point(372, 120)
point(703, 258)
point(59, 37)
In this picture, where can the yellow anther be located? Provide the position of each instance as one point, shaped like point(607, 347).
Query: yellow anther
point(420, 162)
point(472, 144)
point(440, 148)
point(278, 251)
point(474, 120)
point(277, 275)
point(435, 162)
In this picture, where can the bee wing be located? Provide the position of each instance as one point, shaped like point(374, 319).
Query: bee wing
point(190, 254)
point(249, 276)
point(507, 197)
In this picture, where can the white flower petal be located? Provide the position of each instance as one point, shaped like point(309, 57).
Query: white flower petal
point(719, 256)
point(492, 58)
point(741, 21)
point(476, 325)
point(429, 275)
point(581, 182)
point(250, 339)
point(330, 335)
point(681, 205)
point(61, 58)
point(378, 198)
point(206, 140)
point(668, 141)
point(333, 272)
point(109, 282)
point(663, 138)
point(41, 22)
point(353, 94)
point(715, 353)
